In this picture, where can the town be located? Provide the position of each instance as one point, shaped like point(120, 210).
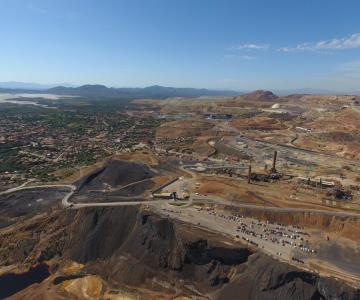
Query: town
point(49, 145)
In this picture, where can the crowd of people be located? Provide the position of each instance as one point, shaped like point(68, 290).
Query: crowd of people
point(269, 231)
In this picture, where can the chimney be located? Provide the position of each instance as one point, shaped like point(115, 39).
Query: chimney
point(249, 174)
point(273, 169)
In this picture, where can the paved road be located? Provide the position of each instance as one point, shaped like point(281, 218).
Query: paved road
point(24, 187)
point(214, 167)
point(193, 199)
point(65, 201)
point(109, 204)
point(67, 204)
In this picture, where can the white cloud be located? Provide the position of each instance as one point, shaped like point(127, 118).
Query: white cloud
point(350, 42)
point(247, 57)
point(251, 47)
point(239, 57)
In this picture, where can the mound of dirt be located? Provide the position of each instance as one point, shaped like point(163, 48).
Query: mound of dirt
point(116, 173)
point(28, 202)
point(258, 95)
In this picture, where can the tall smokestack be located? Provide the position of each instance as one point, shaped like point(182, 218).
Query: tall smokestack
point(273, 169)
point(249, 174)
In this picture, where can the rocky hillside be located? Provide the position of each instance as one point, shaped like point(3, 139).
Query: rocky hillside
point(258, 95)
point(144, 253)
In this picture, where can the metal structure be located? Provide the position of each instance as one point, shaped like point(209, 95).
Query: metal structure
point(249, 174)
point(273, 169)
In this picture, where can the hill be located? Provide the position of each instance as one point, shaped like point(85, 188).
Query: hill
point(259, 95)
point(156, 91)
point(97, 90)
point(16, 85)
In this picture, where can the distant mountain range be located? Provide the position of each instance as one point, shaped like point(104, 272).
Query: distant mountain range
point(30, 86)
point(156, 91)
point(312, 91)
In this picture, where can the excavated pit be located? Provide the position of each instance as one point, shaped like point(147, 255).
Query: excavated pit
point(128, 247)
point(12, 283)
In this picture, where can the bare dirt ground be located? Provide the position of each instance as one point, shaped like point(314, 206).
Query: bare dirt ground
point(282, 194)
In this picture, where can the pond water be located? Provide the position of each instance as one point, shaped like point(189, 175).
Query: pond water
point(12, 283)
point(26, 99)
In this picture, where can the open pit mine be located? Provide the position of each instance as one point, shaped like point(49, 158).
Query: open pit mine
point(248, 197)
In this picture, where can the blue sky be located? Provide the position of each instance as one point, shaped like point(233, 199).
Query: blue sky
point(235, 44)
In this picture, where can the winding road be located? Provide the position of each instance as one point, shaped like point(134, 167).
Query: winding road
point(193, 199)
